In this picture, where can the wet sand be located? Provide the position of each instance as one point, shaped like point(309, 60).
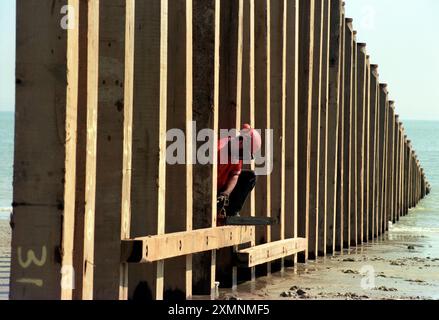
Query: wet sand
point(5, 258)
point(404, 264)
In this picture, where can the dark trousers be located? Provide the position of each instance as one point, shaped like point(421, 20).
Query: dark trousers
point(244, 187)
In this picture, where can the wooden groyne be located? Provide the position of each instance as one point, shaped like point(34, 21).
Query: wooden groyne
point(98, 211)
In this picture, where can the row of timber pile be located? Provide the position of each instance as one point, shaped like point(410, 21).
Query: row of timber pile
point(98, 212)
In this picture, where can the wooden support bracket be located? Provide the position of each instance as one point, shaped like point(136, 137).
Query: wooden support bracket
point(271, 251)
point(166, 246)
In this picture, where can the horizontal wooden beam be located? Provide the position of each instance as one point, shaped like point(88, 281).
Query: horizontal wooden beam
point(271, 251)
point(166, 246)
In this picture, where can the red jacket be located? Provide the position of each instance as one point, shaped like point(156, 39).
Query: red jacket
point(226, 170)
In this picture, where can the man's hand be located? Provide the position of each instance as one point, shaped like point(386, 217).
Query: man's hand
point(225, 194)
point(222, 203)
point(223, 199)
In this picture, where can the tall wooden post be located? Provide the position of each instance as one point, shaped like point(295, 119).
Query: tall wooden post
point(396, 167)
point(277, 118)
point(367, 188)
point(373, 150)
point(44, 175)
point(419, 181)
point(179, 205)
point(339, 201)
point(348, 102)
point(353, 149)
point(291, 119)
point(414, 169)
point(334, 107)
point(105, 124)
point(262, 112)
point(415, 182)
point(81, 148)
point(401, 184)
point(412, 176)
point(403, 165)
point(315, 131)
point(125, 232)
point(422, 184)
point(246, 102)
point(149, 122)
point(404, 170)
point(407, 174)
point(385, 183)
point(323, 142)
point(390, 158)
point(361, 117)
point(410, 185)
point(383, 111)
point(206, 44)
point(230, 106)
point(306, 44)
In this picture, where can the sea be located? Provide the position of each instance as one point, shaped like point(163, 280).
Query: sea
point(425, 140)
point(6, 162)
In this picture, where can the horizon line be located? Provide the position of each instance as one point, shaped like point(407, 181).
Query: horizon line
point(402, 118)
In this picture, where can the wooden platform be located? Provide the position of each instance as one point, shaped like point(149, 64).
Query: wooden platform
point(162, 247)
point(269, 252)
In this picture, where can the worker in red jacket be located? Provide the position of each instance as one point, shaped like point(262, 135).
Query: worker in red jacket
point(234, 183)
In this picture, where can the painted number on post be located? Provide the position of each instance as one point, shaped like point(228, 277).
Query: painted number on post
point(31, 259)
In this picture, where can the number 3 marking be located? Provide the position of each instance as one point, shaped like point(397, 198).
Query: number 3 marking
point(31, 258)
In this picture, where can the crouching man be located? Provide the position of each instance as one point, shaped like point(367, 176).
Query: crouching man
point(234, 183)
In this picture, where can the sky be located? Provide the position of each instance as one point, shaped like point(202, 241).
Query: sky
point(401, 36)
point(7, 55)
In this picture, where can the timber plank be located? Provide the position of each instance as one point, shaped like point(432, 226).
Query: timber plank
point(270, 251)
point(166, 246)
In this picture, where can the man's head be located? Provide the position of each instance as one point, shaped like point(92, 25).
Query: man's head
point(250, 142)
